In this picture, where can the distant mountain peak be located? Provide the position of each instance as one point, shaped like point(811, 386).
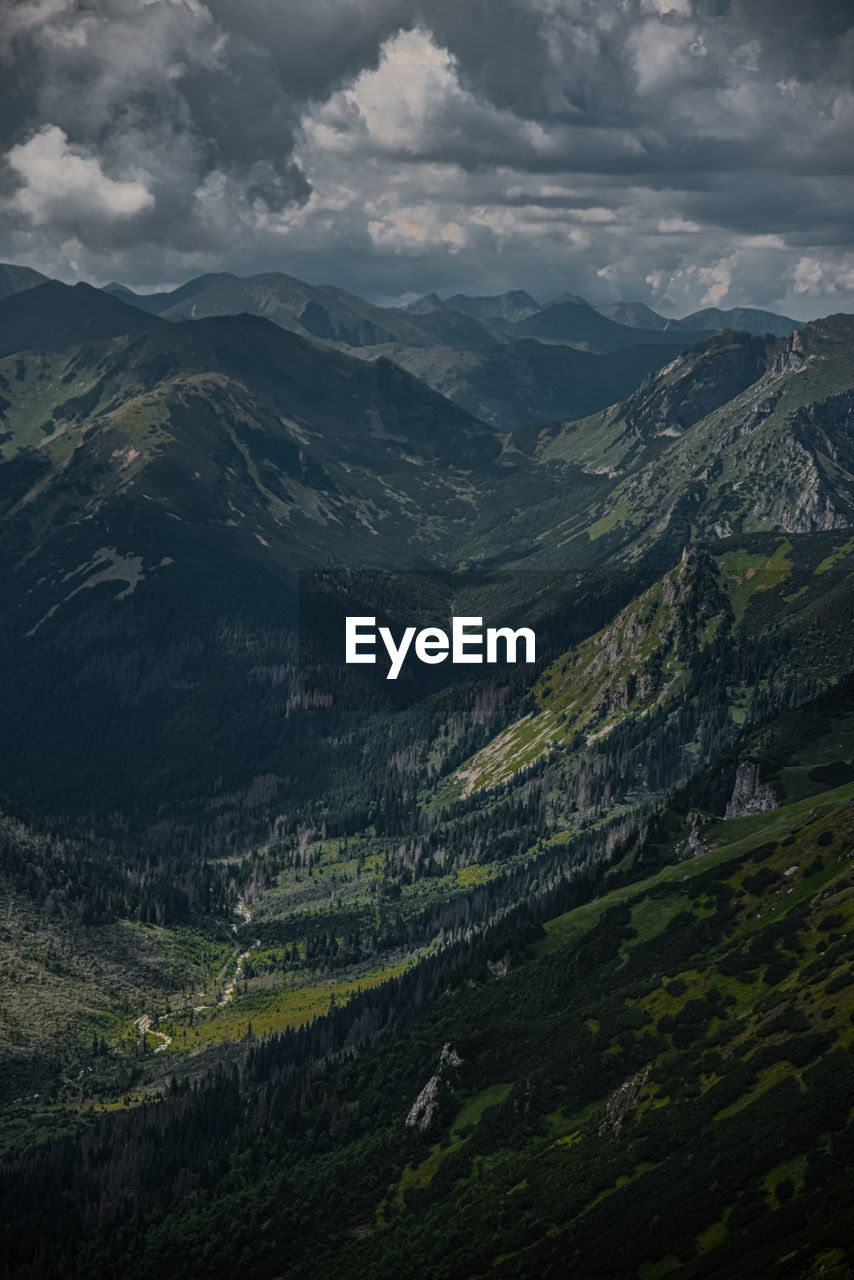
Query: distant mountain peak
point(15, 279)
point(574, 298)
point(636, 315)
point(513, 306)
point(53, 315)
point(749, 319)
point(424, 305)
point(118, 290)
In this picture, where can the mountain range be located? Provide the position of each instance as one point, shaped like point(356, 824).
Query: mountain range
point(517, 305)
point(492, 355)
point(134, 466)
point(496, 967)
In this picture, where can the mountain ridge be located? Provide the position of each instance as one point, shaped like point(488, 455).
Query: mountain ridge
point(55, 315)
point(522, 897)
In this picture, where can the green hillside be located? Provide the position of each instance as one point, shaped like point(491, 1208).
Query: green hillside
point(674, 1051)
point(673, 1058)
point(523, 382)
point(462, 978)
point(731, 626)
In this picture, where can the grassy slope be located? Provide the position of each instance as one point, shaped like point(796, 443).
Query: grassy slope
point(753, 464)
point(712, 445)
point(718, 987)
point(64, 985)
point(724, 985)
point(641, 661)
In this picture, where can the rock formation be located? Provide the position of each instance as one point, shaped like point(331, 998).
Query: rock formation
point(621, 1103)
point(750, 795)
point(424, 1108)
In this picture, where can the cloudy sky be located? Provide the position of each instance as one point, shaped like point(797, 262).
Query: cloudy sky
point(683, 152)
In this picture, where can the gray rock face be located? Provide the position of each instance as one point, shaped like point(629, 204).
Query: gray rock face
point(423, 1110)
point(750, 795)
point(621, 1103)
point(793, 358)
point(696, 844)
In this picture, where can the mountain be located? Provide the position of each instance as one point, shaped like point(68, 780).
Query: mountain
point(334, 425)
point(744, 612)
point(424, 305)
point(637, 315)
point(321, 312)
point(447, 344)
point(769, 453)
point(16, 279)
point(747, 318)
point(333, 315)
point(541, 969)
point(659, 1038)
point(458, 345)
point(578, 322)
point(156, 303)
point(143, 473)
point(53, 315)
point(168, 486)
point(513, 306)
point(666, 1058)
point(528, 381)
point(671, 399)
point(568, 297)
point(122, 292)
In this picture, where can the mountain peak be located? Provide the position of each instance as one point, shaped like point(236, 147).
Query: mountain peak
point(14, 279)
point(573, 298)
point(637, 315)
point(748, 319)
point(53, 315)
point(424, 305)
point(513, 306)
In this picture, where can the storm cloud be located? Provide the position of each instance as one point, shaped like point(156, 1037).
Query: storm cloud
point(683, 152)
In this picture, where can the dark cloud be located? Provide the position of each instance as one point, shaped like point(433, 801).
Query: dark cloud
point(686, 152)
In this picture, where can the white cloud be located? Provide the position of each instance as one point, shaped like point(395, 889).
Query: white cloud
point(662, 7)
point(718, 279)
point(666, 150)
point(61, 184)
point(397, 104)
point(808, 277)
point(671, 226)
point(665, 55)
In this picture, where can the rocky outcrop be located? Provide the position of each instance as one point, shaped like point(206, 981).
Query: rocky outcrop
point(621, 1103)
point(426, 1106)
point(793, 358)
point(749, 794)
point(696, 844)
point(672, 399)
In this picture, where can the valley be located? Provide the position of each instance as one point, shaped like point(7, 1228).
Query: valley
point(545, 945)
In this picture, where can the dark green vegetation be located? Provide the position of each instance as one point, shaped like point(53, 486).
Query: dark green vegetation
point(673, 1056)
point(160, 490)
point(239, 925)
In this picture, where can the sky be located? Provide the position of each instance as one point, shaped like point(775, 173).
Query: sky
point(684, 153)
